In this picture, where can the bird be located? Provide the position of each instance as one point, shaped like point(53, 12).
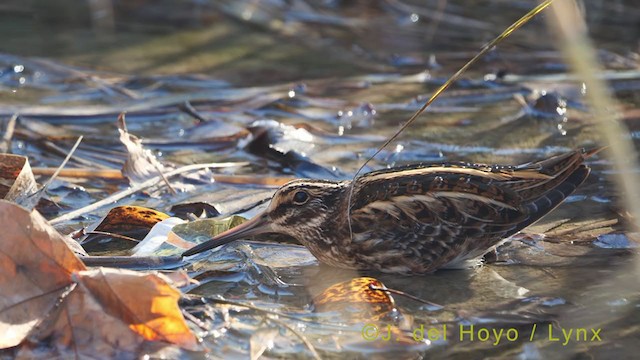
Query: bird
point(414, 219)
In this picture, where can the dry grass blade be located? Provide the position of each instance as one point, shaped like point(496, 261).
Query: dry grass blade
point(582, 57)
point(5, 142)
point(64, 163)
point(515, 26)
point(80, 173)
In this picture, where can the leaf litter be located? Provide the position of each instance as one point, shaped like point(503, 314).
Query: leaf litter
point(48, 293)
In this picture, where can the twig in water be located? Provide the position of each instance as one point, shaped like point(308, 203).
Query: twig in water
point(105, 233)
point(402, 293)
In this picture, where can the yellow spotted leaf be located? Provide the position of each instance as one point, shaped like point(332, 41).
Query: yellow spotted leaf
point(123, 222)
point(356, 299)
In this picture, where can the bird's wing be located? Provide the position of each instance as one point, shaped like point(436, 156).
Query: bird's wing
point(428, 219)
point(434, 210)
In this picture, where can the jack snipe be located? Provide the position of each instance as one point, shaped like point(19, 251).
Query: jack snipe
point(417, 218)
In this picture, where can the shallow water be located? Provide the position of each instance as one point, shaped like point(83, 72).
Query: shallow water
point(352, 72)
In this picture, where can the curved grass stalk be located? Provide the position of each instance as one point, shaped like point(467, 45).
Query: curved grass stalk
point(485, 49)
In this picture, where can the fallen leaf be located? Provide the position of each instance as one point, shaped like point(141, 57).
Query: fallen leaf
point(357, 300)
point(123, 222)
point(46, 293)
point(146, 302)
point(17, 183)
point(156, 238)
point(141, 165)
point(35, 269)
point(184, 235)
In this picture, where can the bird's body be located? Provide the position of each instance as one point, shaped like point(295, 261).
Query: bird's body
point(417, 218)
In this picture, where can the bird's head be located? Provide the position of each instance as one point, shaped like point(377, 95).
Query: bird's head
point(302, 209)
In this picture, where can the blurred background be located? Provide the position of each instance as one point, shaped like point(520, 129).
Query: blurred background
point(257, 42)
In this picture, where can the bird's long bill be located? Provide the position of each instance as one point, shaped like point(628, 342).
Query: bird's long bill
point(257, 225)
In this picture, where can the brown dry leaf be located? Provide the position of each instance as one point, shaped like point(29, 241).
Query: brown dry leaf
point(141, 165)
point(357, 302)
point(17, 183)
point(83, 327)
point(127, 221)
point(146, 302)
point(35, 269)
point(97, 312)
point(356, 298)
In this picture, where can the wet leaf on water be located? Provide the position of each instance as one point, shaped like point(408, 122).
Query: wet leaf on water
point(200, 209)
point(17, 183)
point(357, 299)
point(358, 302)
point(156, 238)
point(125, 222)
point(130, 220)
point(289, 146)
point(201, 230)
point(237, 199)
point(46, 293)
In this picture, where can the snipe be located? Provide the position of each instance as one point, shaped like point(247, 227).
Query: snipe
point(417, 218)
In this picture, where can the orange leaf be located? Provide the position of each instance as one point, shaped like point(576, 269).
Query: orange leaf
point(35, 269)
point(99, 312)
point(144, 301)
point(130, 220)
point(356, 299)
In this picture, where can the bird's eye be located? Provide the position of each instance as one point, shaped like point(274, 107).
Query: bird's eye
point(300, 197)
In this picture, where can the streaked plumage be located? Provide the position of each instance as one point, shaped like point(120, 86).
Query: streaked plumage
point(417, 218)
